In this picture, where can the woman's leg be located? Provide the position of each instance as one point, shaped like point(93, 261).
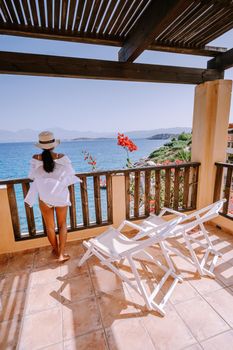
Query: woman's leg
point(61, 213)
point(48, 216)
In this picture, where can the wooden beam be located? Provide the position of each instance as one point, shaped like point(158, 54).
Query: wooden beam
point(211, 51)
point(222, 62)
point(56, 66)
point(154, 20)
point(69, 35)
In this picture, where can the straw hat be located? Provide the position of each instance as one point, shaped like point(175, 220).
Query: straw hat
point(47, 140)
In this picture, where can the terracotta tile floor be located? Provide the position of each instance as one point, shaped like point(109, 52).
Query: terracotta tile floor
point(44, 305)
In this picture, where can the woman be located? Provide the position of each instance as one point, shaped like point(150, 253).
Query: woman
point(52, 173)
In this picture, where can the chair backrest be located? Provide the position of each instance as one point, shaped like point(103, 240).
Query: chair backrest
point(214, 208)
point(209, 213)
point(160, 233)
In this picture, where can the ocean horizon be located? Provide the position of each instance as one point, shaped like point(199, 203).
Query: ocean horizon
point(15, 156)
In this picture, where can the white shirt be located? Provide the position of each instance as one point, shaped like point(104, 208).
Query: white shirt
point(52, 188)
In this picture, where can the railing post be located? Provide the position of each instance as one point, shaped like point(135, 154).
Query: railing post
point(118, 199)
point(6, 228)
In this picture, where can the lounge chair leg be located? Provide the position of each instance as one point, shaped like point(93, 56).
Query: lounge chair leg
point(193, 254)
point(139, 283)
point(205, 233)
point(86, 256)
point(166, 256)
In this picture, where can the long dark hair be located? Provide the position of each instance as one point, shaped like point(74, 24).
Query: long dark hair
point(48, 162)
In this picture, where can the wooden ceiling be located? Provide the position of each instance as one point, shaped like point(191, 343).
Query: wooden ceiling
point(179, 26)
point(182, 26)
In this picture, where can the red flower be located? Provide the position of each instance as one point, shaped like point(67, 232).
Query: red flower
point(125, 142)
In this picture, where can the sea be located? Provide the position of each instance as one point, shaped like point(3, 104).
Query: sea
point(15, 158)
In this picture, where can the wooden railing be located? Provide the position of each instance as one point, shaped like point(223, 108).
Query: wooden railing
point(150, 189)
point(91, 206)
point(146, 190)
point(224, 188)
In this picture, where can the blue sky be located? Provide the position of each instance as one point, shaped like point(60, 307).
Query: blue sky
point(77, 104)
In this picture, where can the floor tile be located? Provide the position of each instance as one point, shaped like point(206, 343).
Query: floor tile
point(9, 334)
point(186, 269)
point(168, 332)
point(136, 299)
point(204, 284)
point(201, 319)
point(128, 333)
point(20, 261)
point(13, 282)
point(94, 340)
point(224, 273)
point(225, 247)
point(76, 288)
point(80, 318)
point(39, 299)
point(41, 329)
point(12, 305)
point(57, 346)
point(193, 347)
point(219, 233)
point(116, 305)
point(222, 302)
point(71, 269)
point(106, 280)
point(183, 291)
point(44, 256)
point(95, 265)
point(45, 274)
point(223, 341)
point(74, 249)
point(3, 263)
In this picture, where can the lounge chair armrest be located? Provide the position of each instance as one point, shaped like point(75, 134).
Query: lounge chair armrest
point(172, 211)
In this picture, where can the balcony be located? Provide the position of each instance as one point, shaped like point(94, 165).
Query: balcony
point(44, 305)
point(49, 306)
point(90, 307)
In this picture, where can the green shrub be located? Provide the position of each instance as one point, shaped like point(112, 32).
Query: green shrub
point(179, 148)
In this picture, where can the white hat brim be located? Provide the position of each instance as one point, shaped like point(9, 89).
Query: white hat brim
point(48, 145)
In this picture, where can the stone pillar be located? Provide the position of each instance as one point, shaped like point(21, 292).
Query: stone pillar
point(118, 199)
point(209, 139)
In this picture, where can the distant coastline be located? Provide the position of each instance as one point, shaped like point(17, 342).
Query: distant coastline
point(30, 135)
point(91, 138)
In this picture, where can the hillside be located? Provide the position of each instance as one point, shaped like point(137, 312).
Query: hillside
point(162, 136)
point(177, 148)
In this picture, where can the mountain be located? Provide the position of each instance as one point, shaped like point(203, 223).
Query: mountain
point(162, 136)
point(26, 135)
point(148, 133)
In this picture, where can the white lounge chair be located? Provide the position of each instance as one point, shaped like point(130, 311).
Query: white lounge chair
point(112, 246)
point(184, 229)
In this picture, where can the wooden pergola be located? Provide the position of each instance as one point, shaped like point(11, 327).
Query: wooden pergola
point(178, 26)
